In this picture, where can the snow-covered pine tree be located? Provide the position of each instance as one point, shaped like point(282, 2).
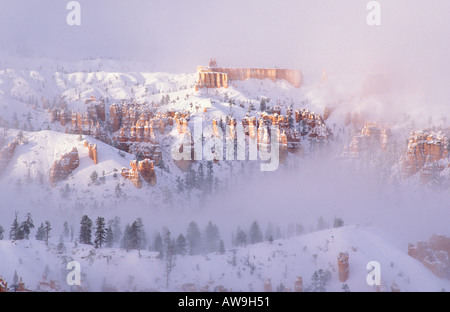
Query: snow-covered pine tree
point(15, 283)
point(158, 244)
point(109, 237)
point(61, 247)
point(116, 229)
point(169, 255)
point(221, 247)
point(241, 238)
point(40, 234)
point(345, 288)
point(193, 238)
point(1, 232)
point(138, 235)
point(66, 230)
point(212, 237)
point(86, 230)
point(47, 229)
point(180, 245)
point(26, 226)
point(255, 233)
point(100, 232)
point(126, 238)
point(14, 233)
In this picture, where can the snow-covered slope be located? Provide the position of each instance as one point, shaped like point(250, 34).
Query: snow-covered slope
point(241, 269)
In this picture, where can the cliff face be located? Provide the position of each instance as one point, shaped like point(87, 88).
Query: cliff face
point(217, 77)
point(434, 254)
point(425, 149)
point(61, 169)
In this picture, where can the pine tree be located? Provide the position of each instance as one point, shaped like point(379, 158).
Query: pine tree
point(338, 222)
point(180, 185)
point(25, 227)
point(158, 243)
point(138, 240)
point(94, 177)
point(40, 235)
point(241, 238)
point(15, 284)
point(109, 237)
point(100, 232)
point(269, 232)
point(345, 288)
point(126, 238)
point(47, 229)
point(66, 230)
point(169, 255)
point(209, 176)
point(221, 247)
point(200, 177)
point(321, 224)
point(1, 232)
point(193, 238)
point(180, 245)
point(134, 236)
point(212, 237)
point(86, 230)
point(14, 233)
point(319, 280)
point(116, 229)
point(255, 233)
point(61, 247)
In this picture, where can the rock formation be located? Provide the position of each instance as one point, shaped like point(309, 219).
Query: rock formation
point(434, 254)
point(92, 148)
point(372, 137)
point(425, 149)
point(61, 169)
point(3, 285)
point(140, 170)
point(147, 171)
point(133, 174)
point(298, 286)
point(217, 77)
point(343, 266)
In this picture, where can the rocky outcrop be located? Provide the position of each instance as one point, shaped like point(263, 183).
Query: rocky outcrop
point(81, 123)
point(146, 151)
point(62, 168)
point(298, 286)
point(372, 137)
point(140, 170)
point(3, 285)
point(217, 77)
point(425, 149)
point(7, 152)
point(343, 266)
point(434, 254)
point(92, 149)
point(147, 171)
